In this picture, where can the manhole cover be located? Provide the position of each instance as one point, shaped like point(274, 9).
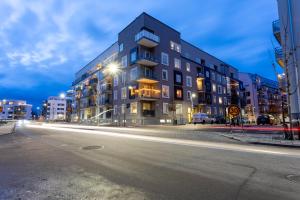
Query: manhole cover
point(92, 147)
point(293, 177)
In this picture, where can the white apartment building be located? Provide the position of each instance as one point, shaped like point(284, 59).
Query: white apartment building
point(15, 110)
point(56, 108)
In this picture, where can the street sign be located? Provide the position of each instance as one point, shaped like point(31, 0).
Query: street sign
point(234, 110)
point(1, 109)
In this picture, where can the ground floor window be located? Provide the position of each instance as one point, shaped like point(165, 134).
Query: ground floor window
point(133, 108)
point(165, 108)
point(178, 109)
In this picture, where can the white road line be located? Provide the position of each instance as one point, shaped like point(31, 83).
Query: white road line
point(192, 143)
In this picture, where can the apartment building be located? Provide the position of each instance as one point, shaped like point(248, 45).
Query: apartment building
point(287, 33)
point(161, 78)
point(263, 96)
point(56, 108)
point(15, 110)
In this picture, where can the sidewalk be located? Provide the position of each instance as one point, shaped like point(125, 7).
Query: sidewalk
point(263, 139)
point(7, 128)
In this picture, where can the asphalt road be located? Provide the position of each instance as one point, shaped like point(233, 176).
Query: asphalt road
point(46, 162)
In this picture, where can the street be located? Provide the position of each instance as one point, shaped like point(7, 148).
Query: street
point(71, 162)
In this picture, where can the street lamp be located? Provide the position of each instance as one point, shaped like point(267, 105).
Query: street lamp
point(62, 95)
point(113, 68)
point(192, 103)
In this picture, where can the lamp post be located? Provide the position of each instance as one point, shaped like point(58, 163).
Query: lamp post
point(192, 103)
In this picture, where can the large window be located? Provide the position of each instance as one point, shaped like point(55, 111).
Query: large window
point(124, 92)
point(165, 91)
point(177, 63)
point(133, 108)
point(164, 75)
point(188, 81)
point(164, 59)
point(174, 46)
point(165, 108)
point(133, 73)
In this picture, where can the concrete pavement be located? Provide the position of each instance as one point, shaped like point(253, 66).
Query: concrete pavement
point(44, 163)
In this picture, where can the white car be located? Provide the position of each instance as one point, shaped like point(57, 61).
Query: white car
point(202, 118)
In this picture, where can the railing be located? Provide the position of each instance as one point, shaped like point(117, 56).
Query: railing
point(149, 57)
point(148, 35)
point(148, 93)
point(150, 113)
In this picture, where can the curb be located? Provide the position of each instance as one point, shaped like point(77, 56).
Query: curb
point(261, 142)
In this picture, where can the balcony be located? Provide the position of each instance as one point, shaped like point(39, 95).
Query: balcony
point(279, 56)
point(276, 30)
point(147, 39)
point(147, 60)
point(148, 113)
point(147, 78)
point(148, 94)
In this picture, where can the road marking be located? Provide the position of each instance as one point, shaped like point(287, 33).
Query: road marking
point(183, 142)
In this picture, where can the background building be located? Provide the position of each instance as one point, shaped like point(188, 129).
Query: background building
point(263, 96)
point(287, 32)
point(159, 78)
point(15, 110)
point(56, 108)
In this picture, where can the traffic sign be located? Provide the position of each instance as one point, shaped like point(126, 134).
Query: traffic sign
point(234, 110)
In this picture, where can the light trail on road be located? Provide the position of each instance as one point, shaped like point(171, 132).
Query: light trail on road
point(183, 142)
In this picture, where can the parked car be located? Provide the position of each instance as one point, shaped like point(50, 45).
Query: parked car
point(265, 119)
point(220, 120)
point(202, 118)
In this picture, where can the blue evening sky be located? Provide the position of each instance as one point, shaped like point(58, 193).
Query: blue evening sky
point(43, 43)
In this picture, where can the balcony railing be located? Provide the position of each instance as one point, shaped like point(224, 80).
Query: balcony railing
point(148, 36)
point(146, 93)
point(279, 56)
point(276, 30)
point(147, 60)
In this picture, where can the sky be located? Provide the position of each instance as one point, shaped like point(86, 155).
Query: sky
point(44, 42)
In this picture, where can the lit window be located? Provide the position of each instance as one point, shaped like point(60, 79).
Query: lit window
point(177, 63)
point(123, 92)
point(220, 100)
point(164, 74)
point(165, 91)
point(133, 108)
point(165, 108)
point(164, 59)
point(179, 93)
point(189, 81)
point(174, 46)
point(214, 87)
point(188, 67)
point(224, 90)
point(200, 84)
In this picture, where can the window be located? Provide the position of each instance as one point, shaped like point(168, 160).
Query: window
point(220, 89)
point(188, 81)
point(214, 99)
point(188, 67)
point(225, 101)
point(177, 63)
point(164, 74)
point(202, 62)
point(219, 79)
point(121, 47)
point(207, 74)
point(214, 87)
point(174, 46)
point(213, 76)
point(178, 109)
point(133, 108)
point(124, 61)
point(123, 108)
point(200, 84)
point(123, 93)
point(165, 91)
point(178, 78)
point(178, 93)
point(224, 90)
point(188, 94)
point(164, 59)
point(115, 109)
point(133, 55)
point(220, 100)
point(248, 101)
point(165, 108)
point(116, 80)
point(123, 77)
point(133, 73)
